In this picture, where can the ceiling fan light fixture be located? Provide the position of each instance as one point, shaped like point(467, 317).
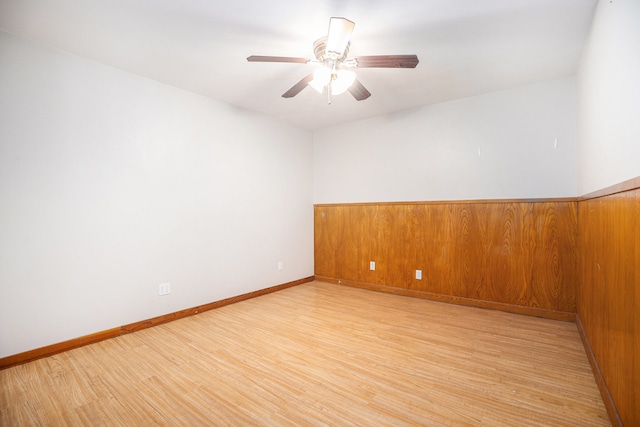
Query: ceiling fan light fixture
point(340, 81)
point(332, 53)
point(321, 78)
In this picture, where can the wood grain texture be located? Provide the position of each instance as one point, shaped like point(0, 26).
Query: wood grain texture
point(609, 295)
point(316, 355)
point(507, 252)
point(607, 399)
point(510, 308)
point(28, 356)
point(50, 350)
point(137, 326)
point(628, 185)
point(457, 202)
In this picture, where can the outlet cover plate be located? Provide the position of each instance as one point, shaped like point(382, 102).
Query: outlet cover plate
point(164, 288)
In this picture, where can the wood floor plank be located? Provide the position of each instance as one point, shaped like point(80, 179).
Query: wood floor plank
point(321, 355)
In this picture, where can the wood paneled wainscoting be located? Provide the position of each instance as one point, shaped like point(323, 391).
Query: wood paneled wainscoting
point(608, 301)
point(513, 255)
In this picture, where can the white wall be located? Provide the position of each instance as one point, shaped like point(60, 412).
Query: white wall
point(609, 98)
point(497, 145)
point(111, 184)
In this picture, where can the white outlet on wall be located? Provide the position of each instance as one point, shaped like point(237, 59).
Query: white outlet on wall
point(372, 265)
point(280, 265)
point(418, 274)
point(164, 288)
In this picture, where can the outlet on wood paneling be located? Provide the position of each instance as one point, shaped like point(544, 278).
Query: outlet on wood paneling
point(513, 252)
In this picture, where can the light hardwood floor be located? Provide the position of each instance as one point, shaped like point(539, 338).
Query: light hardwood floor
point(318, 354)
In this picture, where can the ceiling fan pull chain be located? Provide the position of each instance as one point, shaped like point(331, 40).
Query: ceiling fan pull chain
point(329, 92)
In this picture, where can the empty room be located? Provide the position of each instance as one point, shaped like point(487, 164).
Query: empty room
point(362, 213)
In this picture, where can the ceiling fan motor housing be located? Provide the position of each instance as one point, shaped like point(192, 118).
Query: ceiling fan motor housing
point(321, 54)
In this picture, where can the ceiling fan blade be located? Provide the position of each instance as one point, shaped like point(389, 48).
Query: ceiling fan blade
point(359, 92)
point(387, 61)
point(257, 58)
point(297, 88)
point(340, 30)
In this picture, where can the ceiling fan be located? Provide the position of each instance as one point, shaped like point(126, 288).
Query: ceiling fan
point(335, 75)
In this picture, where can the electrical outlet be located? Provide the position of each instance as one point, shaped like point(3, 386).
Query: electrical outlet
point(164, 288)
point(372, 265)
point(418, 274)
point(280, 265)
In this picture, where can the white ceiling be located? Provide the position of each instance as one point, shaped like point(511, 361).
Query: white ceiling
point(465, 47)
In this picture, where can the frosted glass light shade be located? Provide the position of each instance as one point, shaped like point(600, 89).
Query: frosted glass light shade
point(343, 81)
point(321, 78)
point(340, 83)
